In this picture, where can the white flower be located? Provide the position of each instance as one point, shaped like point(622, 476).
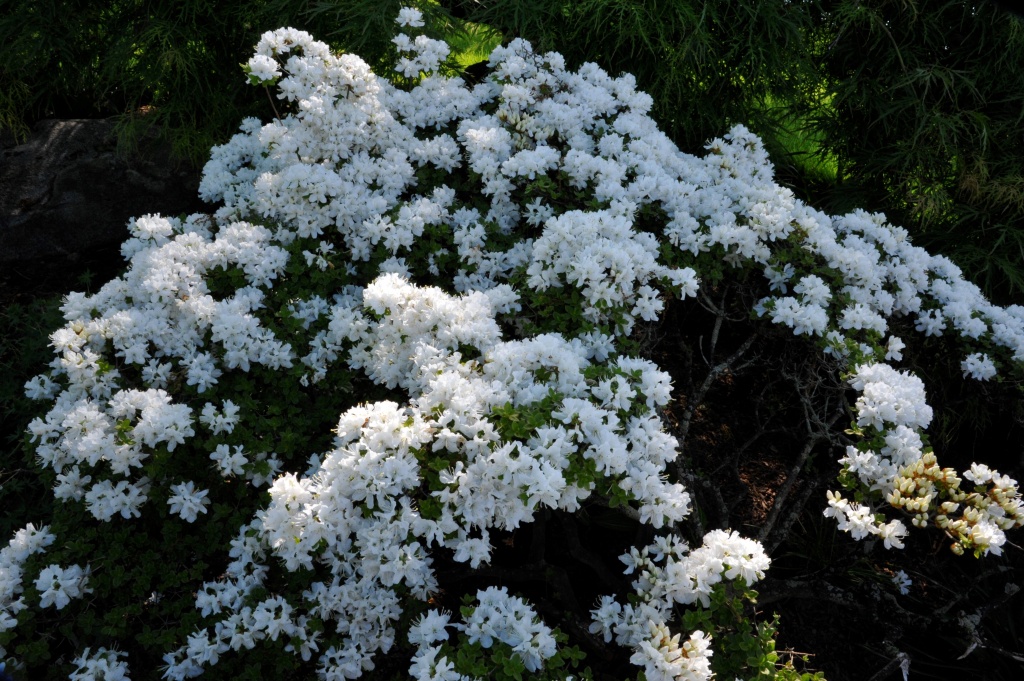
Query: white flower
point(430, 627)
point(57, 585)
point(777, 278)
point(263, 68)
point(813, 290)
point(227, 462)
point(218, 423)
point(890, 396)
point(104, 665)
point(978, 366)
point(987, 537)
point(606, 616)
point(892, 534)
point(902, 582)
point(411, 17)
point(894, 349)
point(187, 502)
point(663, 659)
point(979, 474)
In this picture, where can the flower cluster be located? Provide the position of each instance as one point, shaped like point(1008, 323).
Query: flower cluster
point(669, 573)
point(25, 542)
point(357, 513)
point(601, 254)
point(496, 619)
point(99, 434)
point(507, 619)
point(897, 463)
point(663, 659)
point(103, 664)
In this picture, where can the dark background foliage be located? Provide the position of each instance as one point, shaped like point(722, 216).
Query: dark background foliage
point(926, 106)
point(171, 63)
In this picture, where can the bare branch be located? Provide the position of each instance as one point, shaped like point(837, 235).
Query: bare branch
point(787, 487)
point(698, 396)
point(901, 662)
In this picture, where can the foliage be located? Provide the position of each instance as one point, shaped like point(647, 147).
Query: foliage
point(23, 349)
point(168, 66)
point(708, 65)
point(923, 115)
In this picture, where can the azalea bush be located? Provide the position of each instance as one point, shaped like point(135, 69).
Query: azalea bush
point(326, 430)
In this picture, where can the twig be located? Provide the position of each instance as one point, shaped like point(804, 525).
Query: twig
point(273, 106)
point(770, 544)
point(731, 461)
point(958, 595)
point(783, 493)
point(901, 661)
point(970, 624)
point(816, 590)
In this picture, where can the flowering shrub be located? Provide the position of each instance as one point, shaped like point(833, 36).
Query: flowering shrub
point(411, 330)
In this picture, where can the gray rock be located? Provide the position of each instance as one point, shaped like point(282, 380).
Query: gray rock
point(67, 191)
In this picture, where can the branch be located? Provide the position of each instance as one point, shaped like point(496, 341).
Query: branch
point(902, 661)
point(787, 487)
point(698, 396)
point(273, 106)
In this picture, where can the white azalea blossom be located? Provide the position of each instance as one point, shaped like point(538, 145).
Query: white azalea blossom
point(187, 501)
point(104, 664)
point(57, 585)
point(978, 366)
